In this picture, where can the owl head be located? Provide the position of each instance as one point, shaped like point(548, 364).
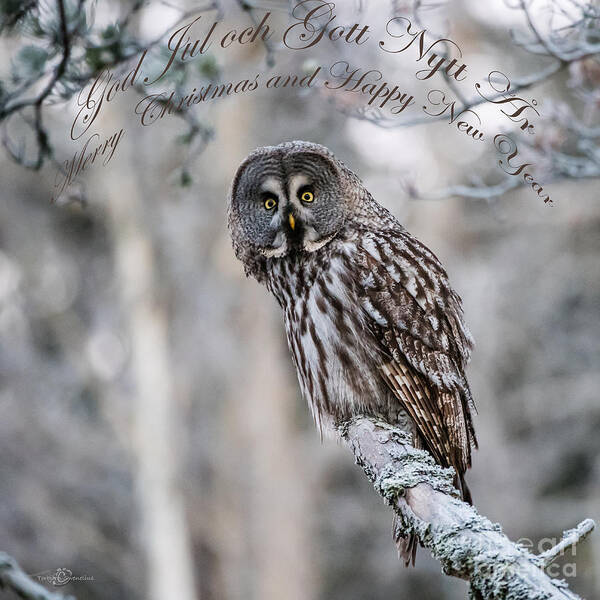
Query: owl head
point(285, 199)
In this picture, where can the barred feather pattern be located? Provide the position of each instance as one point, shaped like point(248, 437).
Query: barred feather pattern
point(375, 328)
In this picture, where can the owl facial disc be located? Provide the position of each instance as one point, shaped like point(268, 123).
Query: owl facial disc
point(288, 199)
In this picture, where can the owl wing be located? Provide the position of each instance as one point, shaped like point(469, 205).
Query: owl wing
point(418, 320)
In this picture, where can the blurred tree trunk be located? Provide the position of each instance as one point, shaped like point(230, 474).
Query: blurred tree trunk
point(263, 490)
point(268, 494)
point(154, 411)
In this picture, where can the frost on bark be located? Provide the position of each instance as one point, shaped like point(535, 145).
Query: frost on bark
point(467, 544)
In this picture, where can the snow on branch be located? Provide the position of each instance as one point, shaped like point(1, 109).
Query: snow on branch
point(467, 544)
point(570, 538)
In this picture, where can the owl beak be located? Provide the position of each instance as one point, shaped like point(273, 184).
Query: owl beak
point(292, 221)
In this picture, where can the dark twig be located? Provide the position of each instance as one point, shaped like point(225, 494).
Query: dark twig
point(43, 147)
point(58, 72)
point(518, 85)
point(38, 102)
point(270, 48)
point(548, 47)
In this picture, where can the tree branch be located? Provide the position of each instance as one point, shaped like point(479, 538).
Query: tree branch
point(14, 578)
point(43, 147)
point(377, 117)
point(468, 545)
point(56, 75)
point(570, 538)
point(71, 72)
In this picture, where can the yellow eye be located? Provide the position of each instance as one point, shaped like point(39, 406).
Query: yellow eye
point(270, 203)
point(307, 196)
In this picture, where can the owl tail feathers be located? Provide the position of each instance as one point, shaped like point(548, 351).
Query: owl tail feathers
point(407, 546)
point(461, 485)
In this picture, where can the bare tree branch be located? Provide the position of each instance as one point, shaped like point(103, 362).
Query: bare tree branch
point(12, 577)
point(72, 70)
point(58, 72)
point(570, 538)
point(467, 544)
point(43, 147)
point(377, 116)
point(270, 48)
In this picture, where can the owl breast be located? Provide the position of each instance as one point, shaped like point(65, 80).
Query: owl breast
point(329, 335)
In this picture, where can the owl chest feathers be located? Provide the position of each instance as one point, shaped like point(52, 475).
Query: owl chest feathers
point(329, 335)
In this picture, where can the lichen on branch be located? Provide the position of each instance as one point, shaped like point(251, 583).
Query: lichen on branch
point(467, 544)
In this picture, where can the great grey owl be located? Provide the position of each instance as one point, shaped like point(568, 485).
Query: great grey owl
point(373, 326)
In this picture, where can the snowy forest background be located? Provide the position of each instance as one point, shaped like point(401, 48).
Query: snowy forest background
point(152, 433)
